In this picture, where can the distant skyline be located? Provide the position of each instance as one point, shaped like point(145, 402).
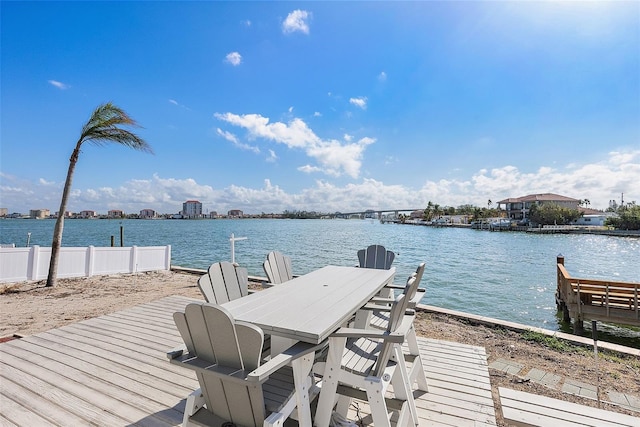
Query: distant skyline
point(321, 106)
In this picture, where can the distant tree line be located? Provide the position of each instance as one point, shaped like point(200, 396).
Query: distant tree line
point(628, 217)
point(301, 214)
point(552, 214)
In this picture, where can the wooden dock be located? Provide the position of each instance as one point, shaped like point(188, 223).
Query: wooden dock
point(591, 299)
point(112, 370)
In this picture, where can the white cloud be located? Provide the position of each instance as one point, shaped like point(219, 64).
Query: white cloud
point(333, 157)
point(233, 58)
point(246, 23)
point(599, 182)
point(272, 158)
point(347, 137)
point(291, 109)
point(233, 139)
point(360, 102)
point(309, 169)
point(317, 114)
point(296, 21)
point(382, 77)
point(177, 104)
point(59, 85)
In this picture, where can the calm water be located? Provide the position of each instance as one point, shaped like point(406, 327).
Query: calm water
point(509, 276)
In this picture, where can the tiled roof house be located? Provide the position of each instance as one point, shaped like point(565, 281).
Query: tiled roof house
point(518, 207)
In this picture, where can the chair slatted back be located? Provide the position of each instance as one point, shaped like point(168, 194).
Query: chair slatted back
point(398, 309)
point(233, 346)
point(376, 256)
point(410, 291)
point(224, 282)
point(278, 267)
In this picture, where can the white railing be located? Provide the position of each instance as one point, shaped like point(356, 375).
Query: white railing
point(21, 264)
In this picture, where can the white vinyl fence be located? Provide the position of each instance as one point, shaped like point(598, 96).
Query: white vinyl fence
point(32, 263)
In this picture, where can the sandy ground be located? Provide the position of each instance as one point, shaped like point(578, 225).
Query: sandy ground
point(28, 308)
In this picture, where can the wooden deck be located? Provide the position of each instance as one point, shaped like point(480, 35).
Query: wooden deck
point(604, 300)
point(112, 370)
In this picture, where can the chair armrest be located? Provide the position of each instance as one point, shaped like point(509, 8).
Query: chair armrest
point(392, 286)
point(417, 297)
point(368, 333)
point(281, 360)
point(380, 300)
point(372, 307)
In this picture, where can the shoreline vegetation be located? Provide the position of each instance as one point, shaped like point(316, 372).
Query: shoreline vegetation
point(28, 308)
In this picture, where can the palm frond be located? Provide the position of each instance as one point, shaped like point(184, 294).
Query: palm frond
point(103, 127)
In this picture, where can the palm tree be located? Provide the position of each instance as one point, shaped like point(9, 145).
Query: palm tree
point(103, 127)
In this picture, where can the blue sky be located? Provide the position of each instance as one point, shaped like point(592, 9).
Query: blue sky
point(327, 106)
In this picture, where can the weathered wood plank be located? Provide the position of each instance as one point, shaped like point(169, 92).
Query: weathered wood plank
point(103, 386)
point(528, 409)
point(74, 368)
point(133, 361)
point(55, 393)
point(15, 415)
point(166, 395)
point(132, 372)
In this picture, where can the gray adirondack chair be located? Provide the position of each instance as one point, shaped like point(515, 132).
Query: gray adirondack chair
point(234, 386)
point(362, 364)
point(224, 282)
point(376, 256)
point(380, 317)
point(415, 293)
point(278, 268)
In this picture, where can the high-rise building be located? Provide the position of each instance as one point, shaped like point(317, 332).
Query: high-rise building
point(192, 209)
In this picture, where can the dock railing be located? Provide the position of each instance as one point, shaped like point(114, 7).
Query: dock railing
point(604, 300)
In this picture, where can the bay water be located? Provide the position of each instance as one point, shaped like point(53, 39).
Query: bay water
point(504, 275)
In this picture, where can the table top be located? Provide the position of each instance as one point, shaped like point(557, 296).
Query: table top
point(311, 307)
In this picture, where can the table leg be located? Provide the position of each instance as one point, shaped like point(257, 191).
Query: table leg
point(280, 344)
point(362, 319)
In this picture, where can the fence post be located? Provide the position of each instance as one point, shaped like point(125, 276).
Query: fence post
point(134, 259)
point(91, 251)
point(34, 257)
point(167, 258)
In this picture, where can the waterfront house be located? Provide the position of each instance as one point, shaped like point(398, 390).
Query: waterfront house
point(148, 214)
point(235, 213)
point(87, 214)
point(518, 208)
point(115, 213)
point(592, 218)
point(39, 213)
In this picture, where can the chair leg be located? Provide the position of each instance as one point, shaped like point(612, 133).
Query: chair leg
point(342, 407)
point(276, 419)
point(402, 384)
point(417, 370)
point(195, 401)
point(375, 388)
point(302, 380)
point(330, 378)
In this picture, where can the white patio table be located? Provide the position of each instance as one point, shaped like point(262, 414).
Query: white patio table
point(309, 308)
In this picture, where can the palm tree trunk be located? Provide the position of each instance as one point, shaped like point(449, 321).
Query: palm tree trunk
point(57, 231)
